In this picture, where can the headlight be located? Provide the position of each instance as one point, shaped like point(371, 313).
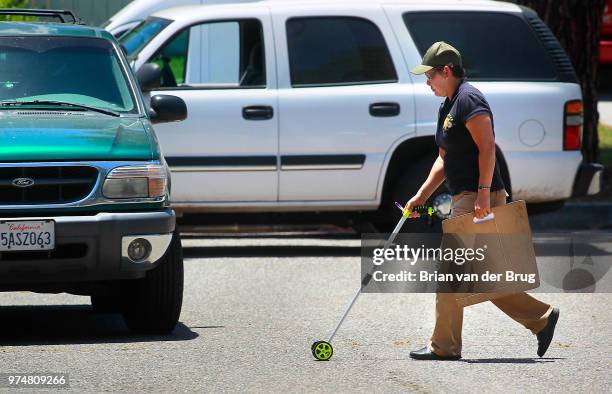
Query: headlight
point(138, 181)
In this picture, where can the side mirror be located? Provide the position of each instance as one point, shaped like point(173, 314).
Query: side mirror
point(166, 108)
point(149, 77)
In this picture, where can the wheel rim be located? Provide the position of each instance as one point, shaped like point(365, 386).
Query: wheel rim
point(323, 351)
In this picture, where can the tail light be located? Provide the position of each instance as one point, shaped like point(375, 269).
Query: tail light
point(572, 125)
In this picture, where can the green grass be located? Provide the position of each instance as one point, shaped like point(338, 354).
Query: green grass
point(177, 65)
point(605, 145)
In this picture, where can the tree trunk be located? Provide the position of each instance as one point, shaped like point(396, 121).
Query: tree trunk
point(577, 26)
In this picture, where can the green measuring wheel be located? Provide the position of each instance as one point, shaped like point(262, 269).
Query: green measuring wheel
point(322, 350)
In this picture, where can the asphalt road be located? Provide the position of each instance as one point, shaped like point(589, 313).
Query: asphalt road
point(254, 305)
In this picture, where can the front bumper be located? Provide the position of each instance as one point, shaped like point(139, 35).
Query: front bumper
point(90, 248)
point(588, 180)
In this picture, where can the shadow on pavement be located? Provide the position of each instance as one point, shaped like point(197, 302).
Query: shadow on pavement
point(332, 236)
point(271, 251)
point(72, 324)
point(542, 247)
point(510, 360)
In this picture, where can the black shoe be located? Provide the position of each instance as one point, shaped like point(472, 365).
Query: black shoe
point(546, 335)
point(426, 354)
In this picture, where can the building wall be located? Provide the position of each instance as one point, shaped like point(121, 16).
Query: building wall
point(93, 12)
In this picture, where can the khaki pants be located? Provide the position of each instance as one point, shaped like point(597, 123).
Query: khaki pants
point(531, 313)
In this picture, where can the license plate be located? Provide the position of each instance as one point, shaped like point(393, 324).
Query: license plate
point(27, 235)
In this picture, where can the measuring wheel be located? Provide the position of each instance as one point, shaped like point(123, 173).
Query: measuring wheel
point(322, 350)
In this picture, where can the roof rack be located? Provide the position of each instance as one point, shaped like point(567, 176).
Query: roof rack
point(62, 15)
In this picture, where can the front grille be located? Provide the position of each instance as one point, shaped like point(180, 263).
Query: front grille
point(51, 185)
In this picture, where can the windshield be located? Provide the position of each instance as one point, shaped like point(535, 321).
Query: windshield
point(141, 35)
point(79, 70)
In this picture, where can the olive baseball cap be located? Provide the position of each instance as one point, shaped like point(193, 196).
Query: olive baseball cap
point(439, 54)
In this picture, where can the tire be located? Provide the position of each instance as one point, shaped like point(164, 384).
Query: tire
point(152, 305)
point(106, 304)
point(405, 188)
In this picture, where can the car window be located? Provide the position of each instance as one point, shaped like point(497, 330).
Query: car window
point(79, 70)
point(493, 46)
point(136, 39)
point(172, 58)
point(337, 51)
point(231, 54)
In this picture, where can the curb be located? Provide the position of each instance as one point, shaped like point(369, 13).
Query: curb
point(575, 216)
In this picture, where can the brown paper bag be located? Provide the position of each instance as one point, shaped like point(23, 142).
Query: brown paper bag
point(509, 247)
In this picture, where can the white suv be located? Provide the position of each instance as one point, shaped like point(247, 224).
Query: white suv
point(310, 106)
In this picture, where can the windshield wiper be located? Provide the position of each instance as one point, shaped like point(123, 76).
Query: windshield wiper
point(58, 103)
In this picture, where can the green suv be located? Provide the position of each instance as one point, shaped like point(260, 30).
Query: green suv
point(84, 188)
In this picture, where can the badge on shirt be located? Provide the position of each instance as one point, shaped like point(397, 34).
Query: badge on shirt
point(448, 122)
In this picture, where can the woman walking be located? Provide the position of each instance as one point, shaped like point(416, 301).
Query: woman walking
point(466, 140)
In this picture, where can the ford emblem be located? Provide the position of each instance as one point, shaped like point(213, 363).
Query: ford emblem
point(23, 182)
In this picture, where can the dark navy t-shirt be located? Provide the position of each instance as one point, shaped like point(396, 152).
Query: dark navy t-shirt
point(461, 159)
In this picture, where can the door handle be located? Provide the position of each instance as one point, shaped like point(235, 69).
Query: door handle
point(383, 110)
point(257, 112)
